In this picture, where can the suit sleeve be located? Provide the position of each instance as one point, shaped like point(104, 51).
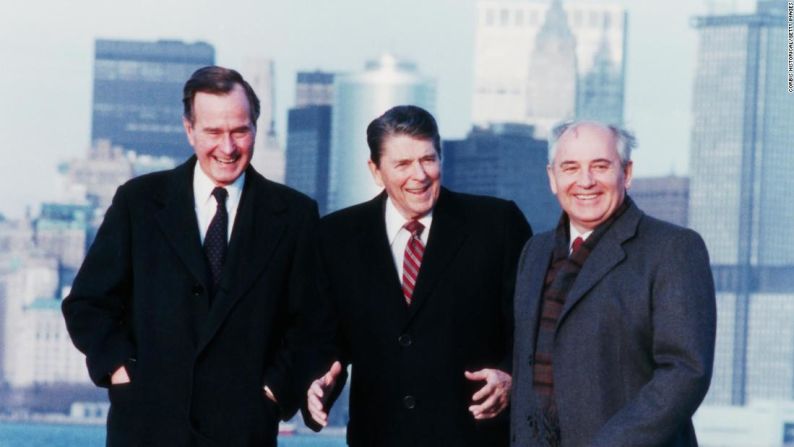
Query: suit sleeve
point(684, 327)
point(288, 377)
point(327, 344)
point(516, 233)
point(97, 309)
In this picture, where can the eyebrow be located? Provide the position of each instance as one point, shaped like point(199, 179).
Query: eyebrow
point(408, 160)
point(218, 129)
point(575, 162)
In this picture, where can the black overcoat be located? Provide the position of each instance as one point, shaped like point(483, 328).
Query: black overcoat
point(198, 364)
point(407, 384)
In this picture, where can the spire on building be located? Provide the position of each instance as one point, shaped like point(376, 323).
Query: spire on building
point(551, 85)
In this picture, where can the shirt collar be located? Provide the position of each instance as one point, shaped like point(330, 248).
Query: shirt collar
point(575, 233)
point(203, 186)
point(395, 221)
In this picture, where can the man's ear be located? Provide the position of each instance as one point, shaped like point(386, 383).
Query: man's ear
point(191, 138)
point(552, 183)
point(375, 171)
point(627, 174)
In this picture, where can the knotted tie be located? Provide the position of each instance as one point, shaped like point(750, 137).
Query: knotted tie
point(576, 244)
point(215, 241)
point(412, 259)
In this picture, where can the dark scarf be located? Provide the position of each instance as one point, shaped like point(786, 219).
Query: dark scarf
point(560, 277)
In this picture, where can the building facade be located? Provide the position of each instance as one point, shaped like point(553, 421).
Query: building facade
point(358, 99)
point(504, 161)
point(308, 151)
point(740, 178)
point(137, 94)
point(665, 198)
point(523, 52)
point(309, 136)
point(269, 158)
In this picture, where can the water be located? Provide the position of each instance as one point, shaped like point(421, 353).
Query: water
point(53, 435)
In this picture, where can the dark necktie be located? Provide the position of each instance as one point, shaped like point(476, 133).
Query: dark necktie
point(215, 240)
point(576, 244)
point(412, 259)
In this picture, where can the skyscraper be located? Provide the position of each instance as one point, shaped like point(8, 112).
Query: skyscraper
point(358, 99)
point(309, 136)
point(552, 77)
point(137, 100)
point(665, 198)
point(504, 161)
point(94, 179)
point(268, 156)
point(523, 47)
point(740, 183)
point(314, 88)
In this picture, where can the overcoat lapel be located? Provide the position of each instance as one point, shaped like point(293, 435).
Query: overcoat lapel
point(447, 234)
point(177, 220)
point(375, 254)
point(258, 229)
point(607, 254)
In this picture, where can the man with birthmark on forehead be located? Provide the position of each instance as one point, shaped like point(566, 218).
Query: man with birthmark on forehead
point(615, 313)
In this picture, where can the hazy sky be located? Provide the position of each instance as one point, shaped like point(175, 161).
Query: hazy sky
point(46, 48)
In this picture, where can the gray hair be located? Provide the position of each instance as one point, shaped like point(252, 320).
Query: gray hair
point(626, 141)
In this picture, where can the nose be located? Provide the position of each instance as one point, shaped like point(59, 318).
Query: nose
point(227, 145)
point(419, 171)
point(585, 178)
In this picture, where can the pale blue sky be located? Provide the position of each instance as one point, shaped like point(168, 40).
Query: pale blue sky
point(46, 48)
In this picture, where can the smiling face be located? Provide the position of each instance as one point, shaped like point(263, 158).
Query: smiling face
point(222, 134)
point(587, 176)
point(410, 171)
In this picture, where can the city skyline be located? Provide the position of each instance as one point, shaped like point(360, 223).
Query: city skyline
point(46, 109)
point(736, 153)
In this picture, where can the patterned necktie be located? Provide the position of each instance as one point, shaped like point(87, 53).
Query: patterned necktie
point(576, 244)
point(412, 259)
point(215, 241)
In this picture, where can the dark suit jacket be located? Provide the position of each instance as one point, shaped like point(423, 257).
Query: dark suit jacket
point(140, 299)
point(634, 344)
point(407, 384)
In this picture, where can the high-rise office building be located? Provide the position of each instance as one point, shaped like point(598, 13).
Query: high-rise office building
point(358, 99)
point(137, 100)
point(552, 77)
point(309, 136)
point(268, 156)
point(62, 231)
point(314, 88)
point(25, 277)
point(740, 181)
point(523, 47)
point(94, 179)
point(504, 161)
point(665, 198)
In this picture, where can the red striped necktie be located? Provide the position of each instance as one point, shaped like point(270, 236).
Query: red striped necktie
point(412, 259)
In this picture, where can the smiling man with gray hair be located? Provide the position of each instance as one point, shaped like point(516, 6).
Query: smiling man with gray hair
point(614, 310)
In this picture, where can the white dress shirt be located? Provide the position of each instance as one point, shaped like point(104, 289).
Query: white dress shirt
point(205, 204)
point(398, 235)
point(574, 234)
